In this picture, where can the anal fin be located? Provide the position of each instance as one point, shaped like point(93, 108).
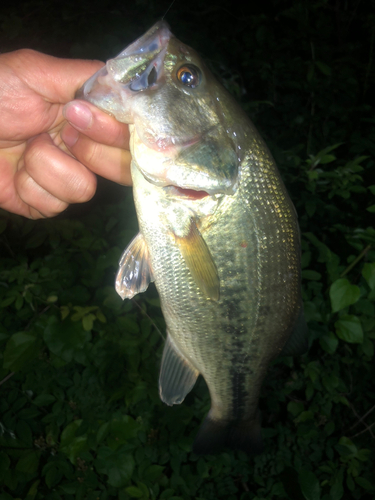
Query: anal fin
point(199, 260)
point(177, 375)
point(134, 274)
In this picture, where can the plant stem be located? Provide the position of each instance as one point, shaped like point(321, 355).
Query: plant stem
point(6, 378)
point(360, 256)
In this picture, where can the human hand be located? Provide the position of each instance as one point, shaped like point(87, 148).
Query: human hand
point(39, 176)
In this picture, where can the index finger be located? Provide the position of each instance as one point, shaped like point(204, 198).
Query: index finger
point(97, 125)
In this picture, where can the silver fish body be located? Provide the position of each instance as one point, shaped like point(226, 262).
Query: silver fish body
point(218, 232)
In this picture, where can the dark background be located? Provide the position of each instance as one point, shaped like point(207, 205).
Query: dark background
point(79, 410)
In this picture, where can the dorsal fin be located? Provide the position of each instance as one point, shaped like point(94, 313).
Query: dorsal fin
point(134, 274)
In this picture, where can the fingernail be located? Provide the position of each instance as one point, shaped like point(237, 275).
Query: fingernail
point(70, 136)
point(78, 115)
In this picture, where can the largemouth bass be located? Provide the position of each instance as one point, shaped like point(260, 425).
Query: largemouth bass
point(218, 232)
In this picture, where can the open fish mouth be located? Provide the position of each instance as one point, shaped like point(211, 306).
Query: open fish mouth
point(136, 68)
point(189, 193)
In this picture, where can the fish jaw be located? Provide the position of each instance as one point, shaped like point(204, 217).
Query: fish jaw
point(168, 166)
point(113, 86)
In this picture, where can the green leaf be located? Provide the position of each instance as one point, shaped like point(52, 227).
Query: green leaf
point(337, 489)
point(53, 477)
point(371, 209)
point(102, 432)
point(33, 490)
point(65, 338)
point(329, 428)
point(350, 483)
point(327, 159)
point(4, 464)
point(202, 468)
point(307, 274)
point(330, 382)
point(365, 483)
point(24, 433)
point(343, 294)
point(364, 454)
point(310, 72)
point(304, 416)
point(118, 465)
point(6, 496)
point(368, 272)
point(349, 329)
point(324, 68)
point(323, 153)
point(295, 408)
point(88, 322)
point(21, 348)
point(309, 485)
point(122, 428)
point(310, 207)
point(152, 473)
point(71, 445)
point(167, 493)
point(36, 239)
point(305, 259)
point(44, 400)
point(6, 302)
point(28, 463)
point(134, 492)
point(69, 488)
point(346, 447)
point(329, 342)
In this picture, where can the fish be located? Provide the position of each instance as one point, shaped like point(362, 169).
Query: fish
point(218, 233)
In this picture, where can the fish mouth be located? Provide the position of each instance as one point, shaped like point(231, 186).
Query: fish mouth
point(137, 68)
point(187, 193)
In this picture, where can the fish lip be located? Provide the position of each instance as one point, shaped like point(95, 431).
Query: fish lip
point(160, 30)
point(179, 191)
point(169, 143)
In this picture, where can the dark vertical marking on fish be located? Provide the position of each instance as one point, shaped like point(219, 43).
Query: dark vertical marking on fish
point(235, 318)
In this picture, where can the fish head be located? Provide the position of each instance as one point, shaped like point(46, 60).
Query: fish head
point(182, 130)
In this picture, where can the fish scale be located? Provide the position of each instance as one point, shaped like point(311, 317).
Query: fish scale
point(218, 233)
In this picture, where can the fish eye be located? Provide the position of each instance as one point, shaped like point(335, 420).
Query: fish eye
point(189, 75)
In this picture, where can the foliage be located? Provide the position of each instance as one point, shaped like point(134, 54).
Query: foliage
point(80, 415)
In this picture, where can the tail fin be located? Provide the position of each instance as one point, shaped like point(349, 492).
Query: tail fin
point(214, 435)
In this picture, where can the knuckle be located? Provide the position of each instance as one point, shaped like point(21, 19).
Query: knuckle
point(34, 156)
point(84, 188)
point(92, 152)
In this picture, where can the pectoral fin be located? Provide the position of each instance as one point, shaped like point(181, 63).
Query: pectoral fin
point(198, 258)
point(134, 274)
point(177, 375)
